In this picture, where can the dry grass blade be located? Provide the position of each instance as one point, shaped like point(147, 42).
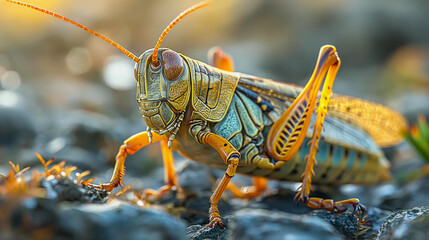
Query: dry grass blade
point(87, 181)
point(79, 176)
point(15, 167)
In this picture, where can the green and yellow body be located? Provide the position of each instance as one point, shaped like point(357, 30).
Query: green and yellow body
point(261, 128)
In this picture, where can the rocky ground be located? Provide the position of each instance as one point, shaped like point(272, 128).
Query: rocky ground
point(68, 210)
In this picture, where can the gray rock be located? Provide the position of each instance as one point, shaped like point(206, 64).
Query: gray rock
point(353, 226)
point(85, 129)
point(416, 229)
point(280, 200)
point(198, 232)
point(16, 128)
point(262, 224)
point(114, 220)
point(117, 220)
point(194, 178)
point(409, 195)
point(197, 183)
point(406, 224)
point(197, 208)
point(74, 156)
point(65, 189)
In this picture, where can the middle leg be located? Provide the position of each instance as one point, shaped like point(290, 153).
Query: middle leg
point(231, 157)
point(224, 61)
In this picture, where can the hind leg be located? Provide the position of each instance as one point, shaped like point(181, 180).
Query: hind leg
point(289, 131)
point(220, 59)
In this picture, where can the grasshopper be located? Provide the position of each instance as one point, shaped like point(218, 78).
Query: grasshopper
point(254, 126)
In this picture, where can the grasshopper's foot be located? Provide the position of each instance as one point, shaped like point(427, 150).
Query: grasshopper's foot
point(330, 205)
point(215, 218)
point(216, 221)
point(359, 209)
point(152, 194)
point(108, 186)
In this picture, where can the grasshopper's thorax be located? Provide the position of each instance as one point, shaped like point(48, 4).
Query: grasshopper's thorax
point(163, 91)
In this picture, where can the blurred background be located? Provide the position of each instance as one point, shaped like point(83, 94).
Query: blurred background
point(69, 94)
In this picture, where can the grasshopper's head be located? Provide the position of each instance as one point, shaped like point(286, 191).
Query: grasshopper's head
point(163, 91)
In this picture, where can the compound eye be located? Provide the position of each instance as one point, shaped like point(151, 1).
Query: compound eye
point(136, 71)
point(173, 65)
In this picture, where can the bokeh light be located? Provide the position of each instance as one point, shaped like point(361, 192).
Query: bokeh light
point(10, 80)
point(118, 73)
point(8, 98)
point(78, 60)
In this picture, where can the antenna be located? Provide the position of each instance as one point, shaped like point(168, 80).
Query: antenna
point(171, 25)
point(113, 43)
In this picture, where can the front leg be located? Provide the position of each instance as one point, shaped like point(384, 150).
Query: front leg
point(231, 157)
point(130, 146)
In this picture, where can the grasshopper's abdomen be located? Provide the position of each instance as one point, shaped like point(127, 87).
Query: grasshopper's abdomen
point(336, 165)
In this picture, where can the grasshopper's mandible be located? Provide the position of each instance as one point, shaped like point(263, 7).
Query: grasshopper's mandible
point(255, 126)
